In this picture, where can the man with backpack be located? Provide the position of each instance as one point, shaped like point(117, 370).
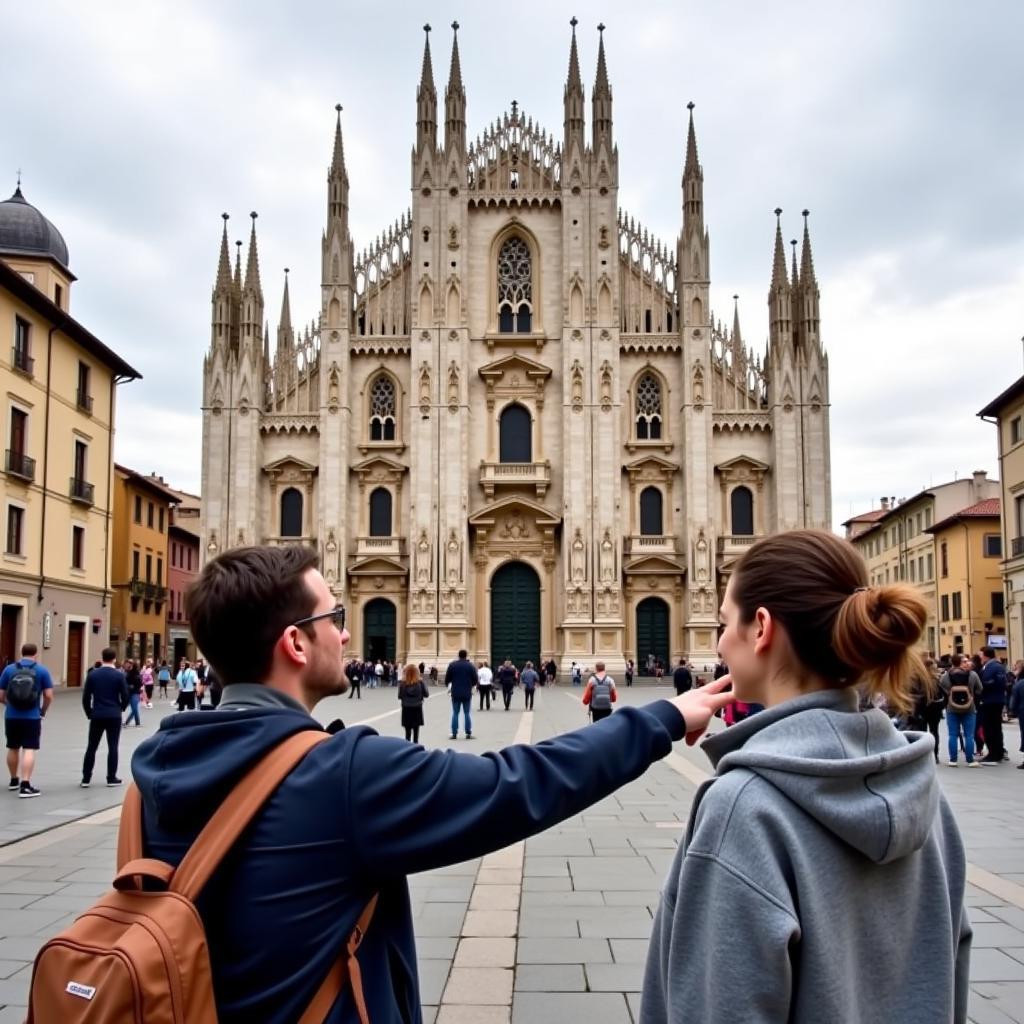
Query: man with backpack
point(26, 691)
point(600, 693)
point(962, 689)
point(320, 868)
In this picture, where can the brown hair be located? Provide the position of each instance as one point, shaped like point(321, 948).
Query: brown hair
point(411, 675)
point(815, 586)
point(243, 601)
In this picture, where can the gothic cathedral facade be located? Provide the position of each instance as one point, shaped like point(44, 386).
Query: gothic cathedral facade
point(515, 425)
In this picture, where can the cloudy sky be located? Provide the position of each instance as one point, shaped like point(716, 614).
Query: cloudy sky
point(898, 124)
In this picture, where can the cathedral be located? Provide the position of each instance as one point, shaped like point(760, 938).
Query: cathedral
point(515, 424)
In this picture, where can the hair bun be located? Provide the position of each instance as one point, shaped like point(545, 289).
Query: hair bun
point(877, 626)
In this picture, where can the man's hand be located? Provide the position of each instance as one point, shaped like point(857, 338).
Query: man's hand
point(698, 706)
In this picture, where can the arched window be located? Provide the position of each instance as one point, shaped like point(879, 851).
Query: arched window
point(516, 435)
point(742, 503)
point(515, 287)
point(291, 513)
point(650, 512)
point(382, 409)
point(380, 512)
point(648, 408)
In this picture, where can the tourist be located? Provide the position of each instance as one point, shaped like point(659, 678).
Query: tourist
point(412, 693)
point(993, 701)
point(133, 677)
point(529, 679)
point(600, 694)
point(186, 680)
point(682, 679)
point(823, 859)
point(630, 669)
point(163, 678)
point(507, 681)
point(485, 684)
point(1017, 708)
point(461, 678)
point(962, 690)
point(26, 692)
point(104, 699)
point(148, 676)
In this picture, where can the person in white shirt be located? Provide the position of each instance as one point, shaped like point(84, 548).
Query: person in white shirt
point(485, 684)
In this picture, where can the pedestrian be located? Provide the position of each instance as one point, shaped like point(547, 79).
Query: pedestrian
point(163, 677)
point(600, 693)
point(810, 782)
point(26, 691)
point(186, 681)
point(412, 693)
point(133, 677)
point(507, 681)
point(529, 679)
point(360, 812)
point(962, 691)
point(461, 678)
point(551, 671)
point(104, 700)
point(576, 674)
point(931, 704)
point(485, 684)
point(993, 701)
point(148, 677)
point(630, 669)
point(682, 679)
point(1017, 708)
point(378, 673)
point(354, 672)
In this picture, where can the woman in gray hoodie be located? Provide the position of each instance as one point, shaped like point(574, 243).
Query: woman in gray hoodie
point(821, 877)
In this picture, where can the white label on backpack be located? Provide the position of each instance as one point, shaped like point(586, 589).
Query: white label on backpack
point(75, 988)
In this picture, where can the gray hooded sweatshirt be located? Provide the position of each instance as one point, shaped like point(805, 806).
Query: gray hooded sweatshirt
point(821, 879)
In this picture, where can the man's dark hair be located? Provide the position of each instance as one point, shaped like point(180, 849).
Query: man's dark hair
point(108, 654)
point(28, 650)
point(462, 653)
point(989, 652)
point(243, 601)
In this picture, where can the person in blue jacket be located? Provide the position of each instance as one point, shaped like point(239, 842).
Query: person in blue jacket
point(361, 811)
point(1017, 709)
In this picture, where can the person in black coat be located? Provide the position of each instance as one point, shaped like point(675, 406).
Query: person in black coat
point(412, 693)
point(104, 699)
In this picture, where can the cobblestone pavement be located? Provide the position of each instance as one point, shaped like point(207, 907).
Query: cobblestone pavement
point(549, 930)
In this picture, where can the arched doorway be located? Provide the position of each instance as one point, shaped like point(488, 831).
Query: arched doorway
point(651, 634)
point(379, 630)
point(515, 614)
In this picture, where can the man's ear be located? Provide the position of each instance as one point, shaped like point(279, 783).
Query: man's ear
point(294, 646)
point(764, 630)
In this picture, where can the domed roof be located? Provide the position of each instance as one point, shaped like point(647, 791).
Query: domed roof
point(24, 231)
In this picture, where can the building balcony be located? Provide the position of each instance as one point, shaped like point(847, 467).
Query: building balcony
point(22, 361)
point(1017, 547)
point(20, 465)
point(735, 544)
point(147, 591)
point(380, 547)
point(650, 544)
point(82, 492)
point(84, 401)
point(515, 474)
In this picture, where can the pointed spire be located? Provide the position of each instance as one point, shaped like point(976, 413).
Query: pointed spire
point(337, 179)
point(224, 263)
point(338, 159)
point(266, 347)
point(779, 278)
point(574, 81)
point(807, 278)
point(737, 337)
point(455, 100)
point(426, 100)
point(252, 270)
point(601, 99)
point(237, 282)
point(795, 279)
point(286, 309)
point(573, 95)
point(692, 167)
point(693, 184)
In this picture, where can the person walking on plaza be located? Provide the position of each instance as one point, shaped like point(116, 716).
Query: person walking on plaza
point(148, 677)
point(360, 812)
point(600, 693)
point(104, 700)
point(507, 681)
point(485, 684)
point(682, 679)
point(133, 677)
point(412, 692)
point(962, 690)
point(1016, 709)
point(551, 671)
point(818, 813)
point(630, 670)
point(186, 681)
point(26, 691)
point(993, 701)
point(576, 674)
point(460, 678)
point(354, 672)
point(163, 678)
point(529, 679)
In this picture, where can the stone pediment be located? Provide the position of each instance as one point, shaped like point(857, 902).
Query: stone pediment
point(655, 564)
point(515, 507)
point(651, 467)
point(743, 462)
point(289, 462)
point(379, 466)
point(377, 566)
point(511, 365)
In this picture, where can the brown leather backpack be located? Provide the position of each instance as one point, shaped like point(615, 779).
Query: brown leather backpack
point(139, 954)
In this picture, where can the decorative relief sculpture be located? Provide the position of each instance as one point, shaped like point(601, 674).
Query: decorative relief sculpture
point(577, 554)
point(606, 386)
point(453, 559)
point(698, 385)
point(423, 559)
point(515, 527)
point(333, 389)
point(332, 545)
point(607, 558)
point(701, 560)
point(424, 388)
point(453, 386)
point(577, 386)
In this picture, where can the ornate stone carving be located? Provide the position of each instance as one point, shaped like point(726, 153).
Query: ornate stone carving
point(577, 386)
point(606, 386)
point(453, 559)
point(606, 559)
point(698, 386)
point(422, 558)
point(333, 388)
point(701, 558)
point(515, 527)
point(577, 557)
point(424, 388)
point(453, 386)
point(453, 237)
point(332, 545)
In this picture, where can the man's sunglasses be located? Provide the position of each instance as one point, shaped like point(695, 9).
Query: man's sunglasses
point(336, 615)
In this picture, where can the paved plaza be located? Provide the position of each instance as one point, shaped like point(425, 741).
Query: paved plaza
point(553, 929)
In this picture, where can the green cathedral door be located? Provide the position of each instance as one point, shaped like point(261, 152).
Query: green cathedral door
point(515, 615)
point(651, 634)
point(379, 630)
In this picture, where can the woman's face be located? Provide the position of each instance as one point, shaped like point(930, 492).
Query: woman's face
point(736, 647)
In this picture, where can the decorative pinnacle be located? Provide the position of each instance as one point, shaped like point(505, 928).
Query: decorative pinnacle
point(426, 28)
point(778, 212)
point(225, 218)
point(805, 214)
point(574, 22)
point(455, 26)
point(254, 215)
point(690, 105)
point(600, 27)
point(338, 107)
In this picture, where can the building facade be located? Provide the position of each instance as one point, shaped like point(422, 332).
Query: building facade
point(59, 386)
point(1006, 411)
point(142, 516)
point(183, 561)
point(516, 425)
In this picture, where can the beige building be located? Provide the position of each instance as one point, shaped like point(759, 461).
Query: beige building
point(59, 385)
point(1007, 412)
point(516, 424)
point(897, 545)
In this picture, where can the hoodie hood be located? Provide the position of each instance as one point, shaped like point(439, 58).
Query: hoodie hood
point(195, 758)
point(865, 782)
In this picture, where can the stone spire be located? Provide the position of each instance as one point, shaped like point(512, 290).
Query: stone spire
point(252, 270)
point(779, 278)
point(455, 100)
point(795, 278)
point(337, 177)
point(251, 319)
point(224, 263)
point(284, 327)
point(807, 278)
point(693, 181)
point(573, 96)
point(601, 98)
point(237, 282)
point(426, 101)
point(780, 296)
point(737, 337)
point(810, 296)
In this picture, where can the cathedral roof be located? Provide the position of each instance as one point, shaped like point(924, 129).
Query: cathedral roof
point(24, 231)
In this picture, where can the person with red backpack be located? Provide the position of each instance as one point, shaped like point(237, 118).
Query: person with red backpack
point(26, 691)
point(600, 693)
point(319, 870)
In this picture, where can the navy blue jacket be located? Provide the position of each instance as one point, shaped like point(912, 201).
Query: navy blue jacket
point(359, 813)
point(993, 682)
point(105, 694)
point(462, 676)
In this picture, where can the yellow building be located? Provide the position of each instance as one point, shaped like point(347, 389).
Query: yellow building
point(968, 564)
point(59, 386)
point(897, 545)
point(142, 520)
point(1007, 412)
